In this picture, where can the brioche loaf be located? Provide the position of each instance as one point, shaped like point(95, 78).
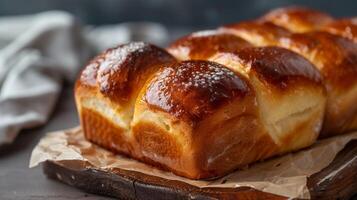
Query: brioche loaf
point(168, 117)
point(218, 100)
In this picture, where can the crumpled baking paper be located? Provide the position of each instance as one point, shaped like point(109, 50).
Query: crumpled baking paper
point(285, 175)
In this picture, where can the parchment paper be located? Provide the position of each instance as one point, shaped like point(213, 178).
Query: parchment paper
point(285, 175)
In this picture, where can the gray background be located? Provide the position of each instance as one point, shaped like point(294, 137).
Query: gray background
point(19, 182)
point(188, 13)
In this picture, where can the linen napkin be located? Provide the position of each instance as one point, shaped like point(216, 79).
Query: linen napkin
point(38, 52)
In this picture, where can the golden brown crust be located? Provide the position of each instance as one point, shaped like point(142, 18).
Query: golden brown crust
point(318, 47)
point(279, 66)
point(297, 18)
point(169, 147)
point(273, 64)
point(191, 90)
point(195, 103)
point(334, 56)
point(256, 32)
point(280, 79)
point(346, 28)
point(201, 45)
point(119, 72)
point(156, 146)
point(103, 132)
point(242, 140)
point(206, 113)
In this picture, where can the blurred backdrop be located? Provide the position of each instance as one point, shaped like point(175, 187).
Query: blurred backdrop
point(192, 14)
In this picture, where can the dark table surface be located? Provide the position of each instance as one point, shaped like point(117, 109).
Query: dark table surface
point(17, 181)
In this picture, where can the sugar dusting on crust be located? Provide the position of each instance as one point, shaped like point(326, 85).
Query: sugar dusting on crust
point(204, 44)
point(206, 76)
point(89, 74)
point(108, 62)
point(120, 72)
point(194, 88)
point(114, 58)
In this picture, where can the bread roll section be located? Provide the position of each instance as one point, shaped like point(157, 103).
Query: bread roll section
point(334, 56)
point(206, 113)
point(283, 81)
point(331, 45)
point(107, 89)
point(286, 84)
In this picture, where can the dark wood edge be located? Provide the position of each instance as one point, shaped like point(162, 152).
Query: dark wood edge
point(337, 181)
point(125, 184)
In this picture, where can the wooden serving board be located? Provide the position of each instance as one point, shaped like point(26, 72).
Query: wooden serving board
point(337, 181)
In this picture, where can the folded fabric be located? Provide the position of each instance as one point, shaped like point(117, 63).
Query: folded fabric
point(39, 52)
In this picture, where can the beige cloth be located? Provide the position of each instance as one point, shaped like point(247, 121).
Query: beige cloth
point(38, 52)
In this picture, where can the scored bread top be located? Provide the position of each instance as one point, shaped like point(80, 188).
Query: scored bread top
point(121, 71)
point(203, 44)
point(276, 66)
point(191, 90)
point(297, 18)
